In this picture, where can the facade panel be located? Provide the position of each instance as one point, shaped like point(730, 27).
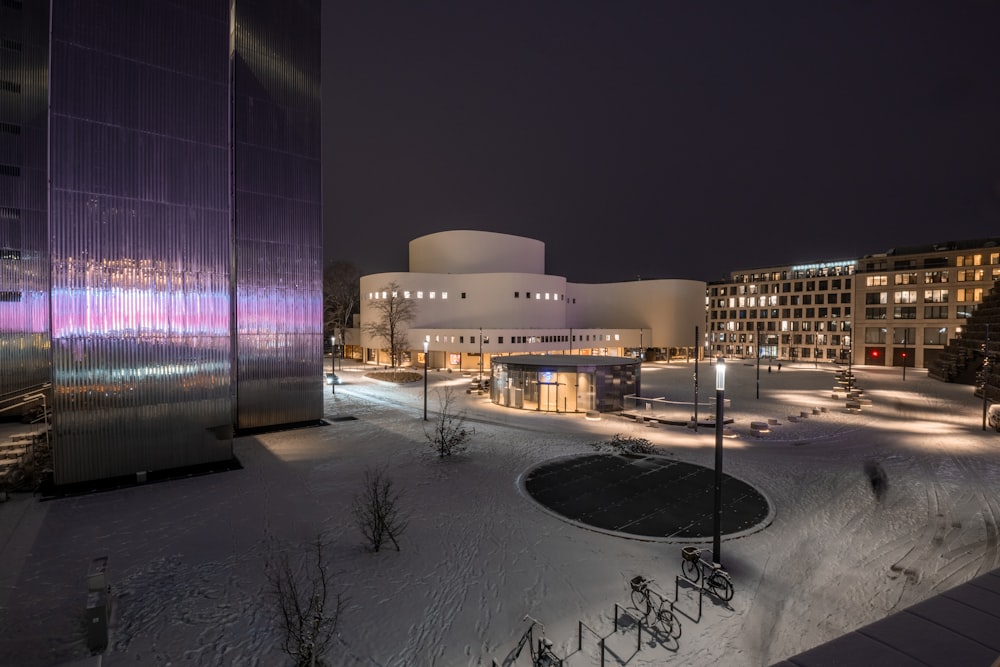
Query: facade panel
point(140, 228)
point(278, 213)
point(24, 304)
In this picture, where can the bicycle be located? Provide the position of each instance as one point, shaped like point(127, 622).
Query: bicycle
point(541, 654)
point(716, 579)
point(642, 598)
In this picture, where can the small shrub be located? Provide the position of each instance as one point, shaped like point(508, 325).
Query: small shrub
point(626, 444)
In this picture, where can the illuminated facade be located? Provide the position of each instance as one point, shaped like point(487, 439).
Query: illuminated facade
point(178, 245)
point(479, 294)
point(903, 304)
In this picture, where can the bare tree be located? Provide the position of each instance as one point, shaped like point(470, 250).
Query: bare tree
point(341, 298)
point(377, 510)
point(308, 609)
point(449, 434)
point(393, 312)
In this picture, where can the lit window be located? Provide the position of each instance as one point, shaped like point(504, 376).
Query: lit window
point(616, 336)
point(395, 294)
point(384, 294)
point(420, 295)
point(444, 295)
point(432, 294)
point(547, 296)
point(406, 294)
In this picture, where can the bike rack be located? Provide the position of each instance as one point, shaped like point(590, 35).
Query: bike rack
point(638, 625)
point(701, 595)
point(600, 639)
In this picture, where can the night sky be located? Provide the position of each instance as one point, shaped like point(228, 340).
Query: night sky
point(660, 139)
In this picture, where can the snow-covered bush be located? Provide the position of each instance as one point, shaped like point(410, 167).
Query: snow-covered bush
point(626, 444)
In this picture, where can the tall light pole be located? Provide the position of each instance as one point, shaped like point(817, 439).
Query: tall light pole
point(697, 349)
point(757, 342)
point(905, 336)
point(986, 372)
point(720, 399)
point(333, 365)
point(425, 380)
point(480, 356)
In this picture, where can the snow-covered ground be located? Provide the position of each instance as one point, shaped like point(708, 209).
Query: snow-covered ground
point(187, 557)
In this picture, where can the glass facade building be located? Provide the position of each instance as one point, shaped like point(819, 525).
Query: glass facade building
point(178, 245)
point(564, 383)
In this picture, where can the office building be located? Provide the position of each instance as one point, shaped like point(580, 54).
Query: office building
point(883, 309)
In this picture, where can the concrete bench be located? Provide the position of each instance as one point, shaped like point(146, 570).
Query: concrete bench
point(853, 406)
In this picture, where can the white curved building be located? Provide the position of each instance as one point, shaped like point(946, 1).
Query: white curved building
point(478, 294)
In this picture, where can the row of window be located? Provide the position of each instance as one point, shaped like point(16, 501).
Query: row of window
point(516, 340)
point(786, 313)
point(910, 313)
point(804, 271)
point(835, 340)
point(786, 325)
point(419, 294)
point(906, 335)
point(783, 300)
point(767, 288)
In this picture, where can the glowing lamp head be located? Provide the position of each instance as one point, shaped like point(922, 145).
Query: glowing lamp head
point(425, 346)
point(720, 374)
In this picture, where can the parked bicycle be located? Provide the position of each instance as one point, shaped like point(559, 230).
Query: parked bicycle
point(541, 653)
point(696, 568)
point(653, 605)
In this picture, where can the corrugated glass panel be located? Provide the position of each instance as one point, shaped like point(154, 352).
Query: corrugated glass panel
point(140, 226)
point(278, 212)
point(24, 304)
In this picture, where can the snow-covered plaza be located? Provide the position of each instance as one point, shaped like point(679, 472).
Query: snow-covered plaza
point(186, 557)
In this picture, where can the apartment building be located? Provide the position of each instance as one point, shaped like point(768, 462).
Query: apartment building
point(889, 308)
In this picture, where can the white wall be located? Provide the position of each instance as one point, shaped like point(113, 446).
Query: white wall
point(671, 308)
point(466, 251)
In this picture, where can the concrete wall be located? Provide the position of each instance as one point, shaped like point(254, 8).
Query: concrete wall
point(465, 251)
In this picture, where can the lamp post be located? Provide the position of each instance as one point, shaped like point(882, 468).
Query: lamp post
point(480, 356)
point(720, 398)
point(697, 349)
point(757, 342)
point(333, 365)
point(986, 372)
point(425, 380)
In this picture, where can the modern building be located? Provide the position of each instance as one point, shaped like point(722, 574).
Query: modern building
point(476, 295)
point(564, 382)
point(160, 224)
point(890, 308)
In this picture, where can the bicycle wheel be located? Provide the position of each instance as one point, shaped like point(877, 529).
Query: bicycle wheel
point(666, 619)
point(691, 570)
point(721, 586)
point(639, 601)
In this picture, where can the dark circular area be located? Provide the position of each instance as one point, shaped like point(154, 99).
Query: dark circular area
point(645, 495)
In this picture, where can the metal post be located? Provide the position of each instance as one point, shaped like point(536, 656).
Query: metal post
point(758, 364)
point(986, 370)
point(425, 380)
point(720, 397)
point(480, 357)
point(696, 350)
point(905, 336)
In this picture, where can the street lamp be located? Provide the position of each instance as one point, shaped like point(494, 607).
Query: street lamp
point(333, 366)
point(697, 350)
point(425, 380)
point(720, 399)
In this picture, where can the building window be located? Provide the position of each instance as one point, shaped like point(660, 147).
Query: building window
point(517, 295)
point(935, 335)
point(500, 339)
point(461, 339)
point(875, 334)
point(444, 295)
point(876, 281)
point(935, 312)
point(874, 313)
point(406, 294)
point(936, 296)
point(527, 295)
point(9, 170)
point(906, 279)
point(472, 339)
point(876, 297)
point(904, 313)
point(463, 295)
point(974, 294)
point(968, 260)
point(905, 296)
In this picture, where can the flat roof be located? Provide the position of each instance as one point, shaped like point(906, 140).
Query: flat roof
point(543, 360)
